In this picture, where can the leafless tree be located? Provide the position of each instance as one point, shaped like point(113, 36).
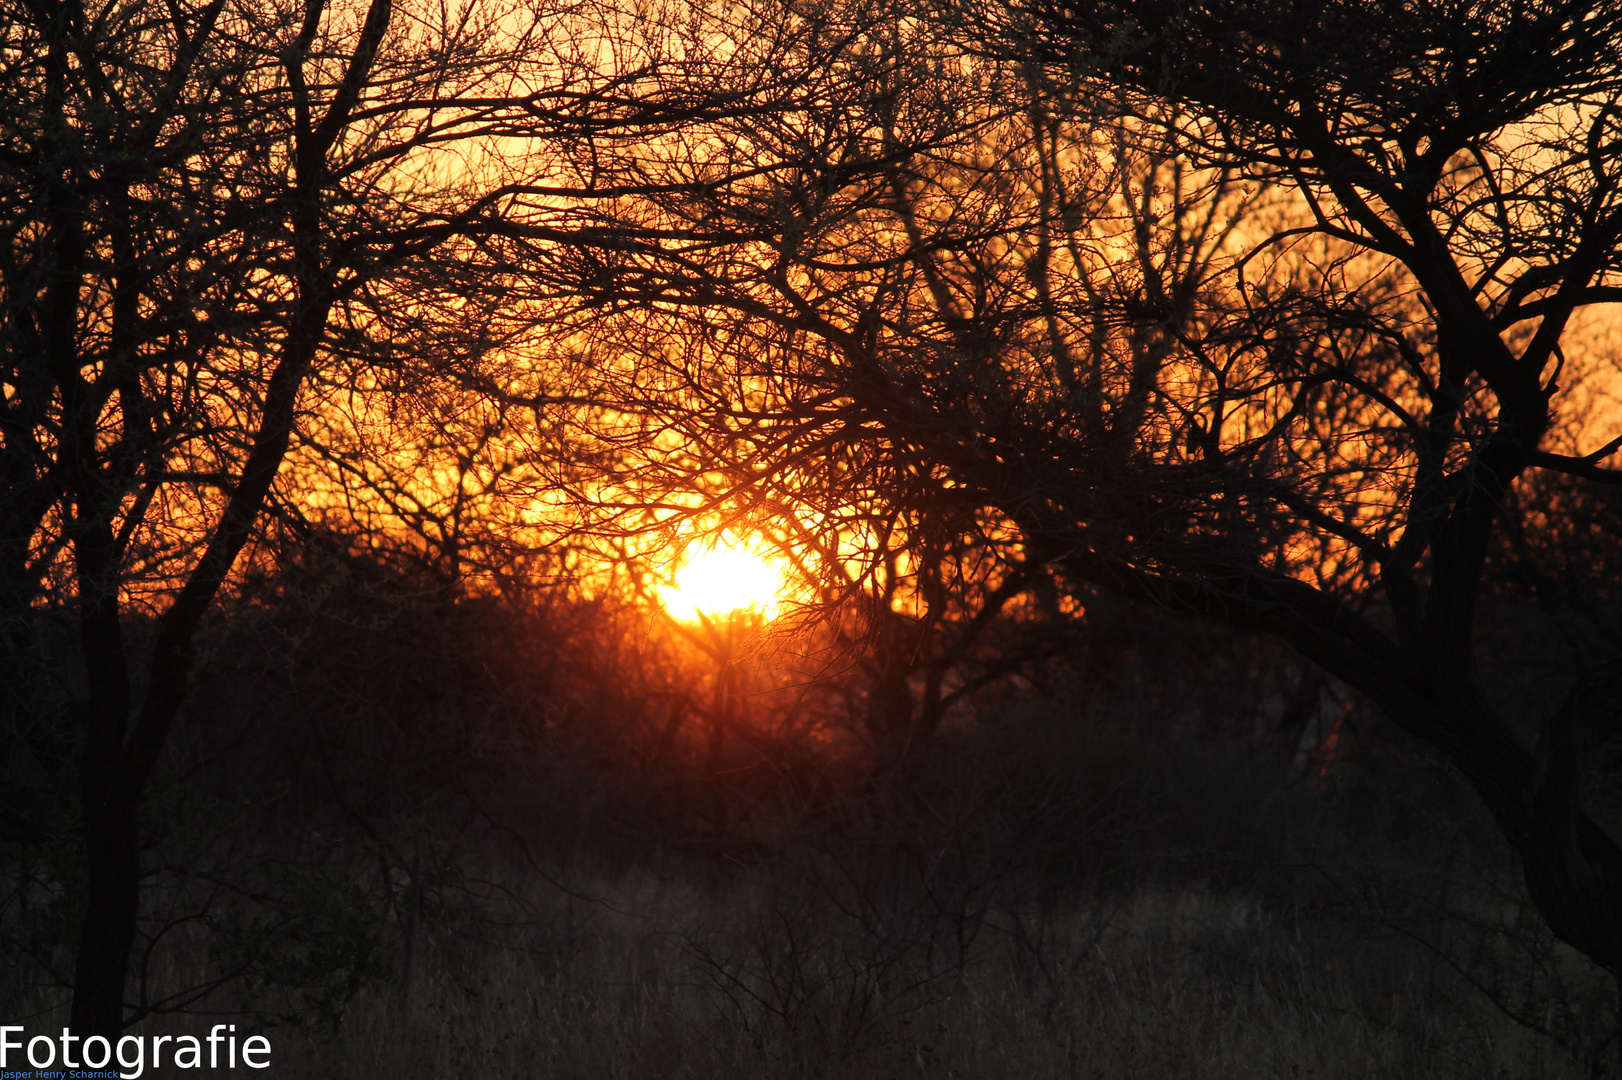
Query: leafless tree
point(1256, 311)
point(714, 336)
point(1468, 154)
point(212, 211)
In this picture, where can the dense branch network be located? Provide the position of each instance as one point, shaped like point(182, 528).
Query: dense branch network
point(1254, 310)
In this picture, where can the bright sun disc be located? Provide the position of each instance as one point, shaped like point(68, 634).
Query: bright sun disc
point(722, 579)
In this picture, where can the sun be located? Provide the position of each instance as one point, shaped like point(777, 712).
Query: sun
point(721, 579)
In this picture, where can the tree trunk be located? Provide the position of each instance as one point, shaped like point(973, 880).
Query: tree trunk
point(1572, 868)
point(107, 937)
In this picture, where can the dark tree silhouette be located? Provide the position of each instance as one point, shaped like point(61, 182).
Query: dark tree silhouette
point(1256, 311)
point(1474, 150)
point(205, 206)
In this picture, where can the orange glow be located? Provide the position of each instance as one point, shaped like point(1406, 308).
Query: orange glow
point(721, 579)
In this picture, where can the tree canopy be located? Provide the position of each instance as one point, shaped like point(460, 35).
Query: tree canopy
point(1259, 311)
point(1254, 311)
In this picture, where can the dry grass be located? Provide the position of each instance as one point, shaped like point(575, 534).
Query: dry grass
point(1163, 984)
point(1053, 899)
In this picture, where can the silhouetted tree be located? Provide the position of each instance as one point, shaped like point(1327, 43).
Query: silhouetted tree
point(728, 315)
point(1469, 154)
point(1251, 310)
point(208, 208)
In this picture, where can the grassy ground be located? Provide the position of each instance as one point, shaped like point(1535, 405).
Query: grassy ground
point(719, 983)
point(1053, 897)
